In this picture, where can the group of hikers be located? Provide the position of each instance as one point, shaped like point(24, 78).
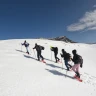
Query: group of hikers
point(77, 59)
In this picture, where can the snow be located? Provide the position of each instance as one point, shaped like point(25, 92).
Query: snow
point(22, 75)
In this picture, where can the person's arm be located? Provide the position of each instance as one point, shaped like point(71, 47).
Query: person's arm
point(34, 47)
point(51, 49)
point(23, 43)
point(73, 59)
point(61, 55)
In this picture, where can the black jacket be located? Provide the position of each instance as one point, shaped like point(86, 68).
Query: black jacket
point(37, 47)
point(76, 59)
point(66, 56)
point(55, 49)
point(25, 44)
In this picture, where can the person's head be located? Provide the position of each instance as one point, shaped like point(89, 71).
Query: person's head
point(74, 51)
point(63, 50)
point(35, 44)
point(25, 41)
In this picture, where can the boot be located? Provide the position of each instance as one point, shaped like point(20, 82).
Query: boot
point(77, 74)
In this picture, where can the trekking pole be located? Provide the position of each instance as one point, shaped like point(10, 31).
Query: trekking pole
point(21, 46)
point(30, 49)
point(34, 53)
point(51, 55)
point(62, 63)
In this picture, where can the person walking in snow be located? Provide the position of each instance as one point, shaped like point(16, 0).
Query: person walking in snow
point(55, 50)
point(26, 44)
point(38, 49)
point(67, 58)
point(78, 61)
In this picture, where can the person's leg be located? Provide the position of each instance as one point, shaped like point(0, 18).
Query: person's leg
point(74, 67)
point(70, 66)
point(77, 70)
point(41, 55)
point(66, 64)
point(58, 59)
point(55, 55)
point(27, 50)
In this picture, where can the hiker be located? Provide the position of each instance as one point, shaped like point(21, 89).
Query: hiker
point(67, 58)
point(38, 49)
point(78, 61)
point(55, 50)
point(26, 46)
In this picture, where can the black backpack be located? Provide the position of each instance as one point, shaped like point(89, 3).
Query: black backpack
point(42, 48)
point(80, 60)
point(68, 56)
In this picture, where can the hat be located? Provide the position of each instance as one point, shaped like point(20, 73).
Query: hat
point(35, 43)
point(74, 51)
point(50, 46)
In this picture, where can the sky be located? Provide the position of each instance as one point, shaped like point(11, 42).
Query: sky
point(22, 75)
point(75, 19)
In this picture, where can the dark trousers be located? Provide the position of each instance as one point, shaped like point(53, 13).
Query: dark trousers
point(39, 55)
point(56, 58)
point(67, 65)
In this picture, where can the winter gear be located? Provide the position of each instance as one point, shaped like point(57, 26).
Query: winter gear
point(74, 51)
point(76, 77)
point(66, 57)
point(26, 45)
point(78, 59)
point(41, 47)
point(67, 65)
point(38, 49)
point(77, 73)
point(77, 62)
point(55, 50)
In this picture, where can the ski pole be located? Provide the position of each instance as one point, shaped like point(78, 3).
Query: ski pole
point(30, 49)
point(62, 63)
point(51, 55)
point(21, 46)
point(34, 53)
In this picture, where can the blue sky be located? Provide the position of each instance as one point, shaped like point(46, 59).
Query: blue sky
point(75, 19)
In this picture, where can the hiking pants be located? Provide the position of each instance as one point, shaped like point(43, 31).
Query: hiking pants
point(67, 65)
point(56, 58)
point(76, 67)
point(39, 55)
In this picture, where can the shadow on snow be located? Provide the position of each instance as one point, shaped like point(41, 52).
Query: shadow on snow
point(58, 73)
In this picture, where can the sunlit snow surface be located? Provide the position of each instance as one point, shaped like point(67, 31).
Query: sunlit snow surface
point(23, 75)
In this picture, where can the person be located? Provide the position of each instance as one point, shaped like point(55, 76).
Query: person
point(38, 49)
point(26, 44)
point(55, 50)
point(67, 58)
point(77, 63)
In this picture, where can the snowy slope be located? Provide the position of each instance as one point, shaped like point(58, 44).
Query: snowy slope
point(22, 75)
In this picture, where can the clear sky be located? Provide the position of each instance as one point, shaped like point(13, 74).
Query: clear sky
point(75, 19)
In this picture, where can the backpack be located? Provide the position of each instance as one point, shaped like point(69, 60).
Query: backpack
point(80, 60)
point(68, 56)
point(42, 48)
point(26, 44)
